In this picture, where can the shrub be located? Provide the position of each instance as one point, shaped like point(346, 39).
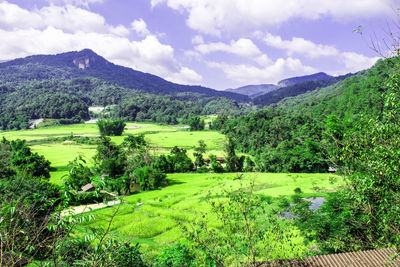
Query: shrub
point(175, 256)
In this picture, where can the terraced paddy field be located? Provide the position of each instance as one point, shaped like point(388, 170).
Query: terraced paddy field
point(157, 221)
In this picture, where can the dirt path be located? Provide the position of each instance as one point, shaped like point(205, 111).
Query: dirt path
point(87, 208)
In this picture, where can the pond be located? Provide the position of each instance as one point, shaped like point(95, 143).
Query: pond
point(316, 202)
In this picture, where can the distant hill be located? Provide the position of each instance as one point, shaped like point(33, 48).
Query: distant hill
point(292, 81)
point(296, 89)
point(86, 63)
point(253, 91)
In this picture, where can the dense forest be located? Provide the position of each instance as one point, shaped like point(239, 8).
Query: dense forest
point(296, 138)
point(68, 100)
point(86, 63)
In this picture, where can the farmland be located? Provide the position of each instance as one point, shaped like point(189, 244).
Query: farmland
point(160, 137)
point(158, 220)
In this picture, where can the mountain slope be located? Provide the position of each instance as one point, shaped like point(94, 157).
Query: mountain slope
point(86, 63)
point(295, 90)
point(294, 80)
point(253, 90)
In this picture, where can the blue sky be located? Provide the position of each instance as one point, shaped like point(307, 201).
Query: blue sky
point(215, 43)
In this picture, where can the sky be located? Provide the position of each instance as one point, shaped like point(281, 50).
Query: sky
point(214, 43)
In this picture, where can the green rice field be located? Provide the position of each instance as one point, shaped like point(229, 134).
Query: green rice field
point(157, 221)
point(161, 138)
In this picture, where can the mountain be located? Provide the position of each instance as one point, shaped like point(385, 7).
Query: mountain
point(316, 76)
point(86, 63)
point(297, 88)
point(253, 91)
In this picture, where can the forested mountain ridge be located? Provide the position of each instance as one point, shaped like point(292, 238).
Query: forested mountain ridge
point(295, 90)
point(253, 90)
point(86, 63)
point(316, 76)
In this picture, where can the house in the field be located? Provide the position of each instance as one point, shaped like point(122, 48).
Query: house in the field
point(221, 160)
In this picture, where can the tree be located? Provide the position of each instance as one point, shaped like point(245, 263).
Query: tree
point(233, 162)
point(196, 123)
point(79, 174)
point(22, 159)
point(198, 154)
point(109, 127)
point(180, 160)
point(149, 178)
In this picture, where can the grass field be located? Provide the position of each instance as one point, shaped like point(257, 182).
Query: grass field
point(157, 222)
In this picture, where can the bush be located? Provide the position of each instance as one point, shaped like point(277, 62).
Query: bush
point(175, 256)
point(149, 178)
point(109, 127)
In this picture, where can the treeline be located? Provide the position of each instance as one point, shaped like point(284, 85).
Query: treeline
point(297, 139)
point(68, 100)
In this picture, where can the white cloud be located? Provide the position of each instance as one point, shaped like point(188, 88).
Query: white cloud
point(218, 16)
point(300, 46)
point(198, 39)
point(355, 62)
point(242, 47)
point(140, 27)
point(76, 2)
point(280, 69)
point(71, 28)
point(67, 18)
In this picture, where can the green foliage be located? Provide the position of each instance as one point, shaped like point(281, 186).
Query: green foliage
point(79, 174)
point(180, 160)
point(110, 159)
point(365, 213)
point(215, 165)
point(149, 178)
point(246, 233)
point(109, 127)
point(233, 162)
point(21, 158)
point(196, 123)
point(176, 255)
point(26, 211)
point(198, 154)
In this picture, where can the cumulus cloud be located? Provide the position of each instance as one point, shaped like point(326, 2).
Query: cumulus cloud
point(217, 16)
point(140, 27)
point(278, 70)
point(300, 46)
point(67, 18)
point(198, 39)
point(55, 29)
point(76, 2)
point(355, 62)
point(241, 47)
